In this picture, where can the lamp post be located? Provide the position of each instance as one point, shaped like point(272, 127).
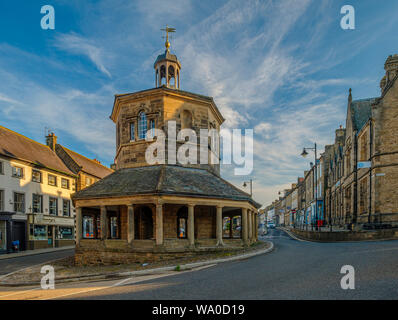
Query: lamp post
point(251, 186)
point(304, 154)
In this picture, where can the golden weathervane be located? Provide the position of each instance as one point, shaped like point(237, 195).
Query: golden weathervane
point(167, 30)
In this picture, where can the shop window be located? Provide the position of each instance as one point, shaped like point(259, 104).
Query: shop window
point(66, 207)
point(17, 172)
point(37, 203)
point(36, 176)
point(19, 202)
point(53, 206)
point(38, 232)
point(52, 180)
point(88, 227)
point(64, 183)
point(65, 233)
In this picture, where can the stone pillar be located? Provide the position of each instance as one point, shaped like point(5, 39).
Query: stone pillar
point(78, 226)
point(244, 225)
point(256, 225)
point(104, 224)
point(250, 227)
point(130, 223)
point(191, 225)
point(219, 226)
point(159, 224)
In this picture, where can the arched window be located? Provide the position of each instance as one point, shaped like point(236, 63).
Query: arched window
point(172, 79)
point(142, 125)
point(162, 75)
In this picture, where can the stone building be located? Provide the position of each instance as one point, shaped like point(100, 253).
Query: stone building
point(363, 174)
point(147, 211)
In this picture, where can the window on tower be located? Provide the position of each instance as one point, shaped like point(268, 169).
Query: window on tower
point(142, 125)
point(132, 131)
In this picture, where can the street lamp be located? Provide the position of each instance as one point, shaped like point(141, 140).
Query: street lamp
point(304, 154)
point(251, 186)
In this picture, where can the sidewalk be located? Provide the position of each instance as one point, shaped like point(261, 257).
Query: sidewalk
point(33, 252)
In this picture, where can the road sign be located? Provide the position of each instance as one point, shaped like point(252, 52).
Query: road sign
point(364, 164)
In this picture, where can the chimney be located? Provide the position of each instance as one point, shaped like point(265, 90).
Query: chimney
point(51, 140)
point(97, 161)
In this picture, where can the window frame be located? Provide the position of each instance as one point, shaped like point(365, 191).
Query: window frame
point(67, 183)
point(132, 131)
point(14, 175)
point(40, 173)
point(33, 203)
point(56, 180)
point(1, 167)
point(56, 206)
point(142, 125)
point(63, 207)
point(23, 202)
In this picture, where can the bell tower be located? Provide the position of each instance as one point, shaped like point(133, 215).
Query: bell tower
point(167, 67)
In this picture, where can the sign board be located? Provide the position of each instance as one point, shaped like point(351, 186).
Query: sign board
point(364, 164)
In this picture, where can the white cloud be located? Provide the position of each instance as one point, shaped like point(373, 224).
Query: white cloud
point(76, 44)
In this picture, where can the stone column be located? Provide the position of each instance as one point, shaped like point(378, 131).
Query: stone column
point(219, 226)
point(78, 226)
point(250, 227)
point(159, 224)
point(130, 223)
point(244, 225)
point(256, 225)
point(191, 225)
point(104, 224)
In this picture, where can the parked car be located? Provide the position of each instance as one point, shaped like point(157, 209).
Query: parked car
point(271, 225)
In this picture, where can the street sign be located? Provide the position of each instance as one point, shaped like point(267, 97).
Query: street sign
point(364, 164)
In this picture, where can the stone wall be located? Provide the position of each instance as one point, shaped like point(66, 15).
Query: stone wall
point(347, 235)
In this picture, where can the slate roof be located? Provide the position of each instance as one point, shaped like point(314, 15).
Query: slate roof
point(17, 146)
point(164, 180)
point(361, 112)
point(87, 165)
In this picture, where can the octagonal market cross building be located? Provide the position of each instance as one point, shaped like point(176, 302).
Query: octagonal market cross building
point(143, 212)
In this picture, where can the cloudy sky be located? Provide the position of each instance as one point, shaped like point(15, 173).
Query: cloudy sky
point(281, 67)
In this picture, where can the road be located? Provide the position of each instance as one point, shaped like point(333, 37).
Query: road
point(17, 263)
point(294, 270)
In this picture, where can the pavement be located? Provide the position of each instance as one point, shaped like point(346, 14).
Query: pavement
point(16, 261)
point(293, 270)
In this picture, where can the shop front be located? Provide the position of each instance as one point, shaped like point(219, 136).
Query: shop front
point(48, 231)
point(12, 232)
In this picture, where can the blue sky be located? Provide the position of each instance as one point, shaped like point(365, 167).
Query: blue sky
point(281, 67)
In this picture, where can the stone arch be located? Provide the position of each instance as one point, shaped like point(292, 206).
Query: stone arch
point(143, 223)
